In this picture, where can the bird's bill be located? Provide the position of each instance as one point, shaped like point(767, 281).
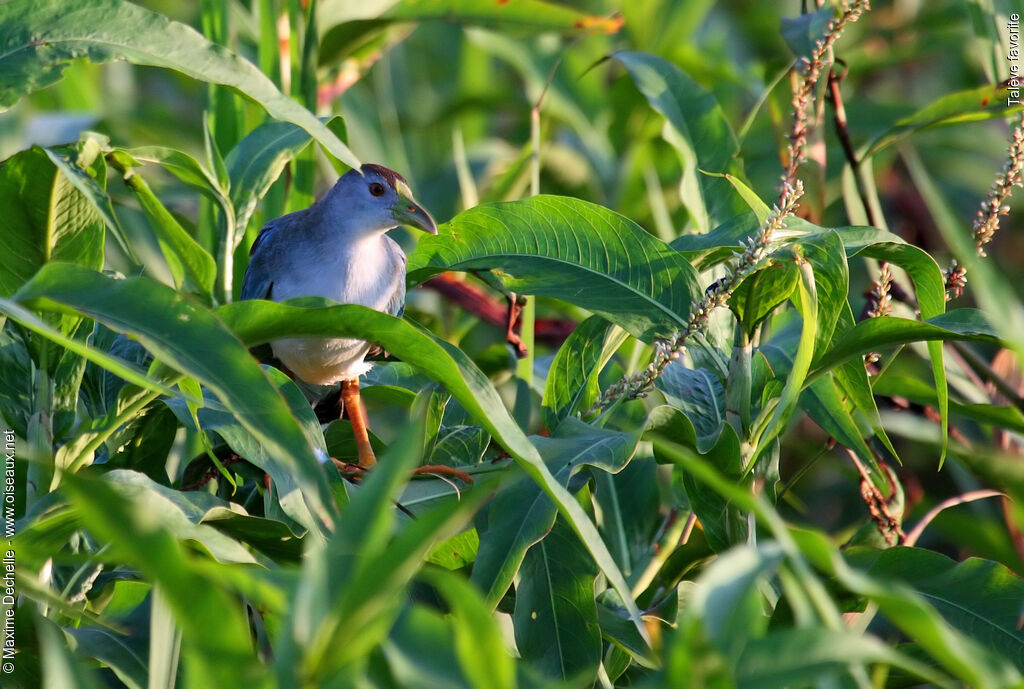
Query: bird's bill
point(408, 212)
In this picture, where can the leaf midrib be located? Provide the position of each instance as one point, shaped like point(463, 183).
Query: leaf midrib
point(591, 271)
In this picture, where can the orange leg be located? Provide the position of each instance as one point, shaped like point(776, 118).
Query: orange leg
point(357, 415)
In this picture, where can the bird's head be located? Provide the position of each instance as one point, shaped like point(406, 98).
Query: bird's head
point(376, 199)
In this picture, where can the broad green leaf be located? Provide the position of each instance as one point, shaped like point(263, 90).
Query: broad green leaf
point(61, 669)
point(972, 595)
point(908, 610)
point(360, 613)
point(722, 524)
point(572, 250)
point(456, 552)
point(572, 382)
point(871, 334)
point(420, 650)
point(113, 650)
point(46, 218)
point(616, 628)
point(700, 395)
point(767, 428)
point(258, 160)
point(831, 282)
point(520, 514)
point(42, 36)
point(919, 392)
point(213, 623)
point(813, 656)
point(122, 368)
point(726, 600)
point(555, 618)
point(852, 377)
point(971, 105)
point(164, 642)
point(478, 642)
point(183, 166)
point(179, 516)
point(697, 129)
point(215, 417)
point(529, 15)
point(823, 402)
point(802, 32)
point(191, 339)
point(930, 287)
point(185, 257)
point(901, 606)
point(758, 295)
point(328, 579)
point(257, 322)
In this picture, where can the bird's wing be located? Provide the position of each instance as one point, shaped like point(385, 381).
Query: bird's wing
point(396, 302)
point(257, 282)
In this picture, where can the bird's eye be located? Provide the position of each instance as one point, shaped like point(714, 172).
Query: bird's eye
point(377, 189)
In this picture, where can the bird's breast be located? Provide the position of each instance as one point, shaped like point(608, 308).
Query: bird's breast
point(349, 275)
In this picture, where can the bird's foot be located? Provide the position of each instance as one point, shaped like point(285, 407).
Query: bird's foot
point(442, 470)
point(355, 472)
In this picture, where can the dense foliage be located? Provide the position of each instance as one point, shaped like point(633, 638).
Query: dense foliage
point(760, 355)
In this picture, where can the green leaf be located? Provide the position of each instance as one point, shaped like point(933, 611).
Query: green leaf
point(43, 36)
point(478, 642)
point(181, 165)
point(456, 552)
point(970, 105)
point(256, 162)
point(700, 395)
point(521, 15)
point(852, 377)
point(802, 32)
point(256, 322)
point(119, 366)
point(972, 595)
point(874, 333)
point(220, 419)
point(818, 655)
point(572, 250)
point(767, 428)
point(930, 286)
point(113, 650)
point(164, 642)
point(919, 392)
point(723, 525)
point(908, 610)
point(185, 257)
point(831, 282)
point(61, 669)
point(758, 296)
point(697, 128)
point(191, 339)
point(45, 219)
point(212, 622)
point(520, 514)
point(555, 618)
point(726, 600)
point(178, 514)
point(572, 382)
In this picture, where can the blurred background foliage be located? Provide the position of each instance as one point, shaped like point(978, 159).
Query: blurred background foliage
point(447, 94)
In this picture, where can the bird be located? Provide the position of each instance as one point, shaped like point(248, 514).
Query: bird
point(338, 249)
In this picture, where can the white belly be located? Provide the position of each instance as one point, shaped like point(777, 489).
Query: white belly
point(364, 275)
point(323, 360)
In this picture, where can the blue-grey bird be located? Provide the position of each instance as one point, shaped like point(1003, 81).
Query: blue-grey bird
point(337, 248)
